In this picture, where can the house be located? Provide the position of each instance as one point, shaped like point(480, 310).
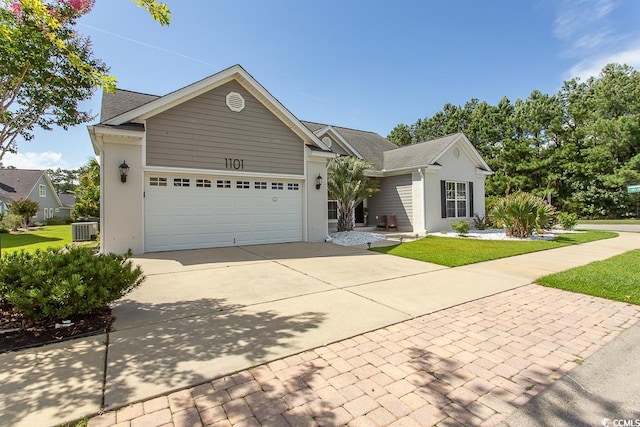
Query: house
point(68, 201)
point(33, 185)
point(222, 162)
point(425, 185)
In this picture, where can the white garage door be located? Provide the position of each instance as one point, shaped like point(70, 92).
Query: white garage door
point(188, 212)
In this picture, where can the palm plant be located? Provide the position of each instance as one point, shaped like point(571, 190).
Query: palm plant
point(522, 213)
point(348, 185)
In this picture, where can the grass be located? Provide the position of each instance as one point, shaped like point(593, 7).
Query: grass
point(613, 278)
point(47, 236)
point(453, 252)
point(610, 221)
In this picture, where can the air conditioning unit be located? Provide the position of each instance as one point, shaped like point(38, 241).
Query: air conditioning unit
point(83, 231)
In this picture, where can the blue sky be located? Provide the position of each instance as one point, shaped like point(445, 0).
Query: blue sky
point(365, 64)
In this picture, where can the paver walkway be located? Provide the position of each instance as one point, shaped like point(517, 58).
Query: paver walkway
point(472, 364)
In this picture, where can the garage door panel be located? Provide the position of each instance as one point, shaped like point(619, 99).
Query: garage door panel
point(195, 217)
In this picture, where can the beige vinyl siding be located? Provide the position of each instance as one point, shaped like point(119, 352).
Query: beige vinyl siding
point(201, 133)
point(394, 198)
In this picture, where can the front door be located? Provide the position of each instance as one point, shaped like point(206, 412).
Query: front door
point(359, 213)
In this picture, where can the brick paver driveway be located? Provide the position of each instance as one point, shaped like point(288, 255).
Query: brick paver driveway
point(468, 365)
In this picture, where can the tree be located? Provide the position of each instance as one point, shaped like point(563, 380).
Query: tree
point(348, 185)
point(88, 191)
point(24, 208)
point(401, 135)
point(63, 180)
point(47, 68)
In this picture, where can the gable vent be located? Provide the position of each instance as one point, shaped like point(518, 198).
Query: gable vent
point(327, 141)
point(235, 101)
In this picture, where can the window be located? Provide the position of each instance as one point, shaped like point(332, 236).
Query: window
point(181, 182)
point(154, 181)
point(333, 209)
point(277, 186)
point(48, 213)
point(43, 190)
point(293, 186)
point(260, 185)
point(203, 183)
point(456, 199)
point(223, 184)
point(243, 184)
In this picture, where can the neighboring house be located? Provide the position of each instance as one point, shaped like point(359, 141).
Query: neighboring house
point(33, 185)
point(68, 201)
point(425, 185)
point(221, 163)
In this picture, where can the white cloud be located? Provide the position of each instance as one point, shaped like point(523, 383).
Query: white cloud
point(574, 17)
point(30, 160)
point(591, 67)
point(592, 38)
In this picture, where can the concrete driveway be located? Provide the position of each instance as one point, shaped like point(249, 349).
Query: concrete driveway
point(242, 306)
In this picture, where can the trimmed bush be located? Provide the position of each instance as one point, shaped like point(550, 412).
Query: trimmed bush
point(56, 220)
point(567, 220)
point(57, 283)
point(481, 223)
point(460, 227)
point(11, 222)
point(521, 214)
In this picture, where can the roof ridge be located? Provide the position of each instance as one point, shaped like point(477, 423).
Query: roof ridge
point(342, 127)
point(137, 93)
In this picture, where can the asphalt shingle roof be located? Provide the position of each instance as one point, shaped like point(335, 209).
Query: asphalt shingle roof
point(121, 101)
point(67, 199)
point(416, 155)
point(369, 144)
point(17, 183)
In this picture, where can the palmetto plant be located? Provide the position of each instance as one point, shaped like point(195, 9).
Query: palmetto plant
point(348, 185)
point(522, 213)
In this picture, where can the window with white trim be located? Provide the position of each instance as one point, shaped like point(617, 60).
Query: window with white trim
point(155, 181)
point(260, 185)
point(243, 184)
point(456, 199)
point(277, 186)
point(181, 182)
point(293, 186)
point(203, 183)
point(43, 190)
point(223, 184)
point(332, 209)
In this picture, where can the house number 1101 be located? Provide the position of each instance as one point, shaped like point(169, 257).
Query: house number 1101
point(237, 164)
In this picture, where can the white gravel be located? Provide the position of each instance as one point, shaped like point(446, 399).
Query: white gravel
point(350, 238)
point(500, 234)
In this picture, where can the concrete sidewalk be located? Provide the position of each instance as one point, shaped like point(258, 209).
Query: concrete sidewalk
point(225, 321)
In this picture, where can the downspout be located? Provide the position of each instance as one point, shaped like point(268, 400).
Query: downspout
point(423, 211)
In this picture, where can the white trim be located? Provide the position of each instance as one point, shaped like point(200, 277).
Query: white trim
point(219, 172)
point(341, 141)
point(193, 90)
point(479, 161)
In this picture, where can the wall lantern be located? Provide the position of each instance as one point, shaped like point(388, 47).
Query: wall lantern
point(318, 182)
point(124, 171)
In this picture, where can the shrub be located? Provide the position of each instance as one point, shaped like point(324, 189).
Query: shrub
point(56, 220)
point(11, 222)
point(57, 283)
point(24, 208)
point(568, 221)
point(481, 223)
point(521, 214)
point(461, 226)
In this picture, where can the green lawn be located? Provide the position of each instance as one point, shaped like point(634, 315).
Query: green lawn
point(453, 252)
point(50, 235)
point(610, 221)
point(613, 278)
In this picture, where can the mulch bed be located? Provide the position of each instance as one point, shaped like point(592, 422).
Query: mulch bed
point(17, 334)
